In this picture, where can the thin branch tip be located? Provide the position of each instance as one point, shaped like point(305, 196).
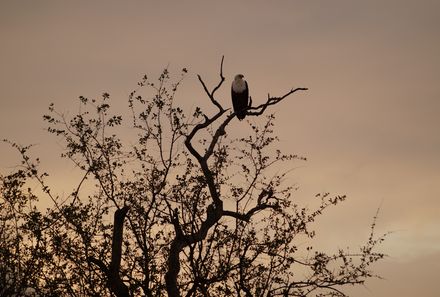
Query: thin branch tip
point(221, 65)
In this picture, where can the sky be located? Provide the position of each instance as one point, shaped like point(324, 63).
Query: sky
point(369, 123)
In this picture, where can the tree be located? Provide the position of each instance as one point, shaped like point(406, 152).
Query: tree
point(183, 209)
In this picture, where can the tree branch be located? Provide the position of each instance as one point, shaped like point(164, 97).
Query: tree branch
point(203, 160)
point(114, 281)
point(211, 95)
point(260, 206)
point(259, 110)
point(180, 241)
point(98, 263)
point(117, 239)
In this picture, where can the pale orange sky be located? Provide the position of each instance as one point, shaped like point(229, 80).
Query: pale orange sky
point(369, 123)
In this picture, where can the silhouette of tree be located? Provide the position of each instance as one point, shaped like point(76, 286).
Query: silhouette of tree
point(183, 209)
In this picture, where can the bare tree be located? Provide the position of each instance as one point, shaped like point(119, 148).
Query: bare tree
point(184, 208)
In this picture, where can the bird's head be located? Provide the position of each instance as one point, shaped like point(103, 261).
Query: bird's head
point(239, 76)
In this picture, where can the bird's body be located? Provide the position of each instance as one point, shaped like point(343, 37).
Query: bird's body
point(240, 96)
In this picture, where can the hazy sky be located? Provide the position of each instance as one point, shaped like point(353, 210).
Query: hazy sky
point(369, 124)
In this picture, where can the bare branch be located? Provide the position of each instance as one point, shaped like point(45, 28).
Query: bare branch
point(222, 78)
point(220, 131)
point(259, 110)
point(211, 94)
point(198, 127)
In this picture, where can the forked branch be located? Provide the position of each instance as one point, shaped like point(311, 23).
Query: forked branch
point(211, 94)
point(259, 110)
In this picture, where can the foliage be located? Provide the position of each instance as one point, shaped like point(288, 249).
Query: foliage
point(183, 209)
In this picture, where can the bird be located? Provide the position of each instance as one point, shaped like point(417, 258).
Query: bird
point(240, 96)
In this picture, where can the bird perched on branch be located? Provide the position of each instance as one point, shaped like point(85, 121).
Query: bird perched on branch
point(240, 96)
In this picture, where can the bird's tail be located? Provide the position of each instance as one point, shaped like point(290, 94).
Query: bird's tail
point(241, 115)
